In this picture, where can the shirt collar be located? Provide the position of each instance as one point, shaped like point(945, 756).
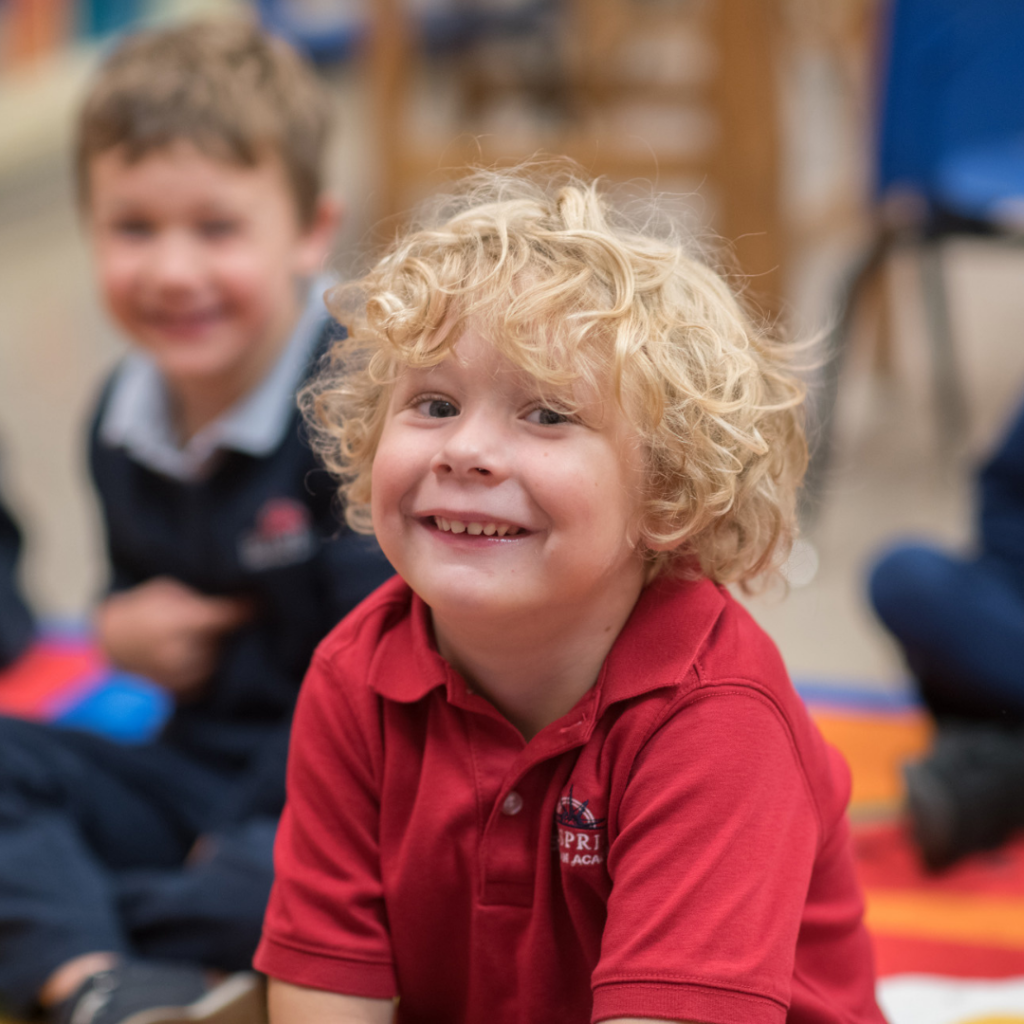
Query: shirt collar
point(656, 648)
point(661, 640)
point(407, 664)
point(138, 416)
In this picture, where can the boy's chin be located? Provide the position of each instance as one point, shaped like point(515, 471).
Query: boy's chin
point(202, 366)
point(482, 608)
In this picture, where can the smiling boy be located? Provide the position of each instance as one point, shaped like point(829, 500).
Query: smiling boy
point(131, 878)
point(554, 771)
point(546, 541)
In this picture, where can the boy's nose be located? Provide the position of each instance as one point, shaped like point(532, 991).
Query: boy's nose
point(477, 448)
point(174, 262)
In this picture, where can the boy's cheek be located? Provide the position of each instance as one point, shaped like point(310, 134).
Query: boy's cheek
point(115, 286)
point(250, 278)
point(115, 266)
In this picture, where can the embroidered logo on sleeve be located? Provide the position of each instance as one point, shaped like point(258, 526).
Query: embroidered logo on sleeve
point(283, 535)
point(581, 835)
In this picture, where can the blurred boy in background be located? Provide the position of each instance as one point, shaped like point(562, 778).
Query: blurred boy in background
point(127, 873)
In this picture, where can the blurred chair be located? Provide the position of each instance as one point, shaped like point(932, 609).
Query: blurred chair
point(675, 92)
point(949, 161)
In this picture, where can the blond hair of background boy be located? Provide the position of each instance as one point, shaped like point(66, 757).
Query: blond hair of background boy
point(199, 165)
point(554, 771)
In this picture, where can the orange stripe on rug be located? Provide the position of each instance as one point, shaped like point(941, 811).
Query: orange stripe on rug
point(876, 746)
point(956, 917)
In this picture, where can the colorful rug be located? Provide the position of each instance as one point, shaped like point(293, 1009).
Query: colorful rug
point(949, 946)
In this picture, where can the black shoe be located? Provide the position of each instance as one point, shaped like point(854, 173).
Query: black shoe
point(968, 794)
point(144, 993)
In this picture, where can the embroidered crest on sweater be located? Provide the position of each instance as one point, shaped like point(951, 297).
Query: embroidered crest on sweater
point(283, 535)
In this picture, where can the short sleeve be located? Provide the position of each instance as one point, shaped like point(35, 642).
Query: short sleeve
point(326, 925)
point(710, 861)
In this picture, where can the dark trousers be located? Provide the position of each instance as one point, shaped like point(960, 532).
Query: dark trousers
point(98, 852)
point(960, 623)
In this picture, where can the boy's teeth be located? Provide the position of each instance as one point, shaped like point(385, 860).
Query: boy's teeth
point(475, 529)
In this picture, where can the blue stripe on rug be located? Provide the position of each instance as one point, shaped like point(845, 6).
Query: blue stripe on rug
point(860, 696)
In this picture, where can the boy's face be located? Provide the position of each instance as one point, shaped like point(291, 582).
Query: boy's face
point(490, 503)
point(198, 261)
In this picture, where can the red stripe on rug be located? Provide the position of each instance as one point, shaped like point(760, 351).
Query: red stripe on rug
point(48, 672)
point(887, 859)
point(900, 954)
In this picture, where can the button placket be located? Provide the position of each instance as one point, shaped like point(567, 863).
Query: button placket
point(509, 845)
point(508, 852)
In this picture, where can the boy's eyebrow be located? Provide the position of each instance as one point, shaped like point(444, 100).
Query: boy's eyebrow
point(418, 372)
point(413, 378)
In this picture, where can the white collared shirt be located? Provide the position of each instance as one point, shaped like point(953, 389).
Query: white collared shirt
point(139, 418)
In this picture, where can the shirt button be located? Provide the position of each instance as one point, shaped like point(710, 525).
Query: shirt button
point(512, 804)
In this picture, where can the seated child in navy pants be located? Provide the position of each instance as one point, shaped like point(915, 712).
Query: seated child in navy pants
point(959, 620)
point(553, 771)
point(127, 872)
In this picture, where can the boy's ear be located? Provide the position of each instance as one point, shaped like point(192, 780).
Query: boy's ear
point(318, 236)
point(653, 543)
point(662, 545)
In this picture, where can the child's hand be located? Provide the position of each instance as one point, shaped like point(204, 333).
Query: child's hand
point(168, 632)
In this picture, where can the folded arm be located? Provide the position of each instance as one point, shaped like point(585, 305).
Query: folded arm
point(295, 1004)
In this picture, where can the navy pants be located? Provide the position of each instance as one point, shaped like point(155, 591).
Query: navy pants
point(960, 623)
point(98, 852)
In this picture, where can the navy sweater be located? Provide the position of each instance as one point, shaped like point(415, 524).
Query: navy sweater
point(264, 528)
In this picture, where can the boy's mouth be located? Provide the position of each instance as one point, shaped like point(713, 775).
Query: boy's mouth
point(476, 529)
point(185, 321)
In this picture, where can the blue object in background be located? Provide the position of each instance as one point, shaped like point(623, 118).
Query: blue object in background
point(330, 33)
point(123, 707)
point(325, 36)
point(98, 18)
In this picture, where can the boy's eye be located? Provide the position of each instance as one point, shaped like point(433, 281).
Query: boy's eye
point(133, 228)
point(547, 417)
point(217, 228)
point(437, 408)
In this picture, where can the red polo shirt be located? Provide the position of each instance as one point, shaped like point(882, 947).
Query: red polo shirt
point(674, 847)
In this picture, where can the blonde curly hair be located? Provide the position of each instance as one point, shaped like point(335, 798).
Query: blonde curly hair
point(568, 290)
